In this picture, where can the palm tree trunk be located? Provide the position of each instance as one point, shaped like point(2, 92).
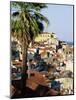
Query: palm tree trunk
point(24, 67)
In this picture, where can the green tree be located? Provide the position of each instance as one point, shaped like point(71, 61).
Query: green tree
point(26, 24)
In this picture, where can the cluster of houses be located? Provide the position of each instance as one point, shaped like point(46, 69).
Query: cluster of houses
point(46, 42)
point(47, 51)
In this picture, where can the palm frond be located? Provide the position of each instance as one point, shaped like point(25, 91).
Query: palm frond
point(27, 20)
point(41, 17)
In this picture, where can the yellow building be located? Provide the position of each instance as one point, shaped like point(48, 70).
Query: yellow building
point(48, 37)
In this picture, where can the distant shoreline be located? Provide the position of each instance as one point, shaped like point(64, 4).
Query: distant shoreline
point(69, 43)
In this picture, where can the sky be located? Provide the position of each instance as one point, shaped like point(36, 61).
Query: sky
point(60, 21)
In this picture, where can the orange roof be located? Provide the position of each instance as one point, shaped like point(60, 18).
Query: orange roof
point(38, 78)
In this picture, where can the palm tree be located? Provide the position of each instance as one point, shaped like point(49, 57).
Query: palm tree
point(26, 24)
